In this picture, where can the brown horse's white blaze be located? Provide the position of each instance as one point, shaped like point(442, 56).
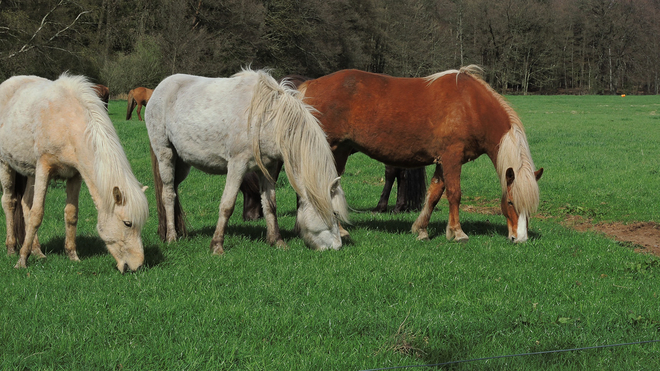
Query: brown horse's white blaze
point(517, 222)
point(446, 119)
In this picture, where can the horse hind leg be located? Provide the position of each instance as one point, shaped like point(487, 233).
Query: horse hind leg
point(139, 108)
point(10, 205)
point(433, 194)
point(71, 216)
point(269, 205)
point(251, 197)
point(410, 190)
point(391, 173)
point(181, 172)
point(33, 221)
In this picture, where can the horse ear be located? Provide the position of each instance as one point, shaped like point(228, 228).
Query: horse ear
point(510, 176)
point(118, 196)
point(335, 186)
point(538, 174)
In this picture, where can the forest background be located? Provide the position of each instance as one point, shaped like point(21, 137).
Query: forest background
point(525, 46)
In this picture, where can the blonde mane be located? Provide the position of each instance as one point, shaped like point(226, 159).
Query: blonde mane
point(513, 149)
point(308, 160)
point(111, 166)
point(514, 153)
point(472, 70)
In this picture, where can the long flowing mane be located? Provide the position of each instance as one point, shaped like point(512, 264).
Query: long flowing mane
point(513, 149)
point(111, 166)
point(303, 144)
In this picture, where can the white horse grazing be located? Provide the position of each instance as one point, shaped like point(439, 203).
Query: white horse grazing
point(233, 125)
point(61, 130)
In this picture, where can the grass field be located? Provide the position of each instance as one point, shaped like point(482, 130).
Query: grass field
point(385, 299)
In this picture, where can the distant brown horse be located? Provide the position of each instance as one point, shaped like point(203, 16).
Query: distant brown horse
point(138, 96)
point(103, 92)
point(410, 191)
point(446, 119)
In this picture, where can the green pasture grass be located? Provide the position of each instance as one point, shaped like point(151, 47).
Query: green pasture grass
point(384, 299)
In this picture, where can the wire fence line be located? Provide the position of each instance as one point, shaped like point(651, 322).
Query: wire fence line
point(514, 355)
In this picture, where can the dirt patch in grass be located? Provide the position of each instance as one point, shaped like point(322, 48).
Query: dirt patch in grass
point(644, 235)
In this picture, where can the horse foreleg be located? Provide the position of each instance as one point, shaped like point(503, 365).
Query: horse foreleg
point(452, 174)
point(26, 203)
point(433, 195)
point(227, 203)
point(9, 204)
point(71, 216)
point(269, 206)
point(33, 221)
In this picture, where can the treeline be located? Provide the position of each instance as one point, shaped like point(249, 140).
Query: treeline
point(525, 46)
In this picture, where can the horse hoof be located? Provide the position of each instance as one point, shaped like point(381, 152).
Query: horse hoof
point(423, 235)
point(73, 256)
point(344, 233)
point(281, 245)
point(216, 248)
point(38, 253)
point(11, 251)
point(461, 237)
point(20, 263)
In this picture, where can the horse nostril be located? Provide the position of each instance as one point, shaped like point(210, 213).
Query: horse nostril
point(513, 239)
point(126, 268)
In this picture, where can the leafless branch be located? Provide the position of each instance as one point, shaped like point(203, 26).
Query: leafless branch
point(29, 45)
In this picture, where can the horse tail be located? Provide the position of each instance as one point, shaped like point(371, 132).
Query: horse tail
point(130, 105)
point(20, 186)
point(415, 189)
point(179, 216)
point(298, 135)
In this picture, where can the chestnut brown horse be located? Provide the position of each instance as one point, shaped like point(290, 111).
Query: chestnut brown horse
point(410, 190)
point(446, 119)
point(138, 96)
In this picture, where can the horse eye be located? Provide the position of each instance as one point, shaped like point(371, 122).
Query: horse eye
point(128, 224)
point(510, 203)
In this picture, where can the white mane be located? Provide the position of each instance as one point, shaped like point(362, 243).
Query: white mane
point(308, 160)
point(111, 166)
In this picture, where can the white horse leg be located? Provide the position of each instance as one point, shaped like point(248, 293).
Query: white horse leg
point(26, 203)
point(71, 215)
point(166, 165)
point(36, 216)
point(227, 203)
point(269, 205)
point(7, 176)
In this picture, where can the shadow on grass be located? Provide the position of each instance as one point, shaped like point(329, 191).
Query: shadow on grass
point(252, 231)
point(471, 228)
point(86, 246)
point(89, 246)
point(153, 256)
